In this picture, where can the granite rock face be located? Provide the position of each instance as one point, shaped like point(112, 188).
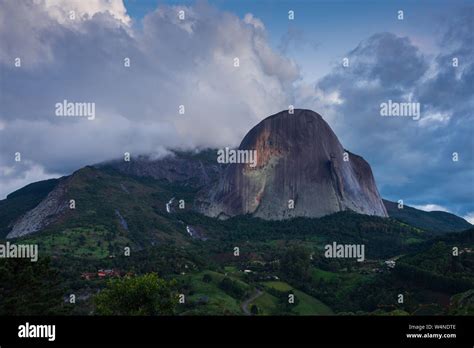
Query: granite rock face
point(49, 210)
point(300, 160)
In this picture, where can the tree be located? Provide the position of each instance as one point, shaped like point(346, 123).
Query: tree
point(81, 240)
point(207, 278)
point(231, 287)
point(295, 264)
point(254, 309)
point(30, 288)
point(141, 295)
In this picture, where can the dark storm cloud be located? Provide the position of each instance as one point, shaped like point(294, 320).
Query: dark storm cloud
point(412, 160)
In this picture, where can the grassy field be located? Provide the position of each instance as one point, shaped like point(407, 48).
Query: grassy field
point(306, 304)
point(209, 298)
point(309, 305)
point(321, 274)
point(267, 304)
point(94, 243)
point(280, 286)
point(209, 295)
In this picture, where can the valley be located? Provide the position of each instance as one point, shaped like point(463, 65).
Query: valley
point(276, 258)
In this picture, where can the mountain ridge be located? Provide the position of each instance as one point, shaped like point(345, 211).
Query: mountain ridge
point(194, 174)
point(434, 221)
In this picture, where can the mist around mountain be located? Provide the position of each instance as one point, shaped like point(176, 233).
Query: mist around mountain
point(130, 219)
point(301, 170)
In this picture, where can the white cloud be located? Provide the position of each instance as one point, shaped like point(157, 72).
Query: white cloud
point(31, 172)
point(250, 19)
point(85, 9)
point(173, 63)
point(434, 118)
point(469, 217)
point(431, 207)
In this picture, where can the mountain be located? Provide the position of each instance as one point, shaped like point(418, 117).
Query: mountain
point(434, 221)
point(195, 169)
point(298, 158)
point(150, 207)
point(47, 211)
point(21, 201)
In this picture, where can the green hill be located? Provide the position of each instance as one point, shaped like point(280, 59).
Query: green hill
point(433, 221)
point(116, 209)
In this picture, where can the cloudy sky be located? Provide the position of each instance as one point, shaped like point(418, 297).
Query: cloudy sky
point(49, 54)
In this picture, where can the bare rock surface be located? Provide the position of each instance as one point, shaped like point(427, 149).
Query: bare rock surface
point(46, 212)
point(299, 158)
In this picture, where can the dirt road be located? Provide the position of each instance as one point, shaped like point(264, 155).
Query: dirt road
point(248, 301)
